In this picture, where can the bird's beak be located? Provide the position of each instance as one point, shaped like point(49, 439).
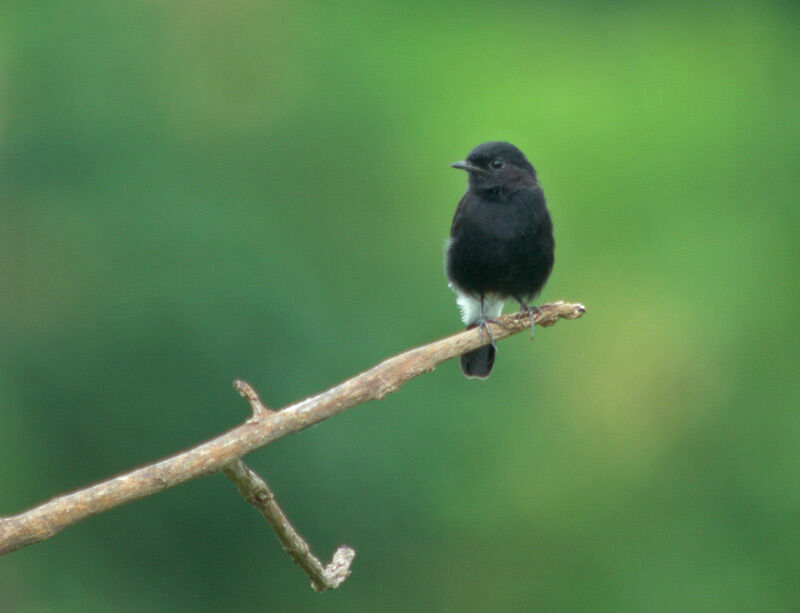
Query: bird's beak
point(464, 165)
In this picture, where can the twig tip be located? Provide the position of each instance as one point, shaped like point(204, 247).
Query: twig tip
point(242, 387)
point(246, 391)
point(339, 567)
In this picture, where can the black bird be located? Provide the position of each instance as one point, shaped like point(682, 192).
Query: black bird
point(501, 243)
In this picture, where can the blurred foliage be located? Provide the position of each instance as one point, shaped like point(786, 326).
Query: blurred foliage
point(198, 191)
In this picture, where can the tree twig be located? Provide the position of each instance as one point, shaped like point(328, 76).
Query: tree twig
point(255, 491)
point(246, 391)
point(45, 520)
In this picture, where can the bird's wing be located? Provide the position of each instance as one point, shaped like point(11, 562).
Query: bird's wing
point(458, 217)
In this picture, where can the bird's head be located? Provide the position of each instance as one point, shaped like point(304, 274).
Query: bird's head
point(497, 165)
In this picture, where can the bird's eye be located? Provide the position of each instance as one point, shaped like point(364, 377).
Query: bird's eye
point(497, 164)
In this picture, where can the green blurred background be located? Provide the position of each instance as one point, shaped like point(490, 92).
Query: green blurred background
point(198, 191)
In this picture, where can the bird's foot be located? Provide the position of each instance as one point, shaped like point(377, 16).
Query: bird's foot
point(530, 311)
point(485, 327)
point(496, 322)
point(483, 324)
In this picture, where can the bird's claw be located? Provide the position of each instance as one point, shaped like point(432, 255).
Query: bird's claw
point(484, 325)
point(530, 311)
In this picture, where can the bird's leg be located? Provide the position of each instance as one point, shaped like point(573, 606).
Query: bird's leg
point(484, 324)
point(527, 309)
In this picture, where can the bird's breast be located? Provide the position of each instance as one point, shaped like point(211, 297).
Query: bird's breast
point(501, 246)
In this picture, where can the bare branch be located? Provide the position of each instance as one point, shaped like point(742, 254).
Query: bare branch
point(45, 520)
point(255, 491)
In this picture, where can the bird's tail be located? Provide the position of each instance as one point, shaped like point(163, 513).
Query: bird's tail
point(478, 363)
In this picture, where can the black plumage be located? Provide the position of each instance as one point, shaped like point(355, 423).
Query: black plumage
point(501, 242)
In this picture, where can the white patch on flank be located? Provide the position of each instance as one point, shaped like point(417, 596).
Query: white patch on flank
point(470, 307)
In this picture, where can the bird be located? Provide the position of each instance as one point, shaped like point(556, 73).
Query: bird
point(501, 243)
